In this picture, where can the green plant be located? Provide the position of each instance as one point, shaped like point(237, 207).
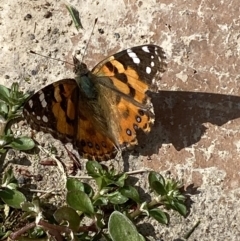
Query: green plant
point(11, 101)
point(112, 209)
point(8, 191)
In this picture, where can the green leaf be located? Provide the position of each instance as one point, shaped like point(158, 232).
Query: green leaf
point(73, 185)
point(32, 207)
point(35, 234)
point(4, 93)
point(120, 179)
point(22, 143)
point(6, 139)
point(94, 169)
point(158, 188)
point(100, 223)
point(3, 110)
point(180, 207)
point(100, 181)
point(117, 198)
point(4, 234)
point(130, 192)
point(159, 215)
point(155, 177)
point(3, 124)
point(9, 180)
point(121, 228)
point(88, 190)
point(12, 198)
point(101, 201)
point(144, 208)
point(11, 101)
point(157, 183)
point(75, 16)
point(70, 215)
point(80, 201)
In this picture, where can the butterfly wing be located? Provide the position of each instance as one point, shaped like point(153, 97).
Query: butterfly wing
point(135, 66)
point(58, 109)
point(52, 109)
point(123, 81)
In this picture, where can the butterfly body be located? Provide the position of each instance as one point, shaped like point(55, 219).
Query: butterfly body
point(100, 111)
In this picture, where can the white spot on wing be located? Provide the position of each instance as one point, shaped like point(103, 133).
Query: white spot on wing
point(44, 103)
point(44, 118)
point(42, 99)
point(134, 57)
point(30, 102)
point(41, 95)
point(145, 49)
point(38, 118)
point(152, 64)
point(148, 70)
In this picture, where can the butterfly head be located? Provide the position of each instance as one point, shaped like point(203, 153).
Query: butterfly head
point(80, 68)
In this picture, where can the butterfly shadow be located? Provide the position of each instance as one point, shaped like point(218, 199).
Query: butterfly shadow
point(180, 118)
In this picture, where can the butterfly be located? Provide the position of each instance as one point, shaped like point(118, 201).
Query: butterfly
point(100, 111)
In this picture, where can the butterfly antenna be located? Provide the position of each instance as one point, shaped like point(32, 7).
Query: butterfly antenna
point(95, 22)
point(32, 52)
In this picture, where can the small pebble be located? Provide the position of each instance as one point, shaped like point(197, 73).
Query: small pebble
point(31, 36)
point(117, 35)
point(101, 31)
point(48, 14)
point(77, 52)
point(34, 72)
point(27, 17)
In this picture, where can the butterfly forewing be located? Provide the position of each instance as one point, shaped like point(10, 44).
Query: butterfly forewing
point(135, 66)
point(58, 110)
point(54, 109)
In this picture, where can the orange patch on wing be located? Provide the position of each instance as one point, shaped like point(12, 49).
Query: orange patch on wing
point(60, 115)
point(66, 92)
point(106, 71)
point(71, 111)
point(134, 81)
point(101, 145)
point(127, 123)
point(121, 86)
point(124, 88)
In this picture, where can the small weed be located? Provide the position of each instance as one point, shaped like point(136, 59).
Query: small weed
point(11, 102)
point(113, 208)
